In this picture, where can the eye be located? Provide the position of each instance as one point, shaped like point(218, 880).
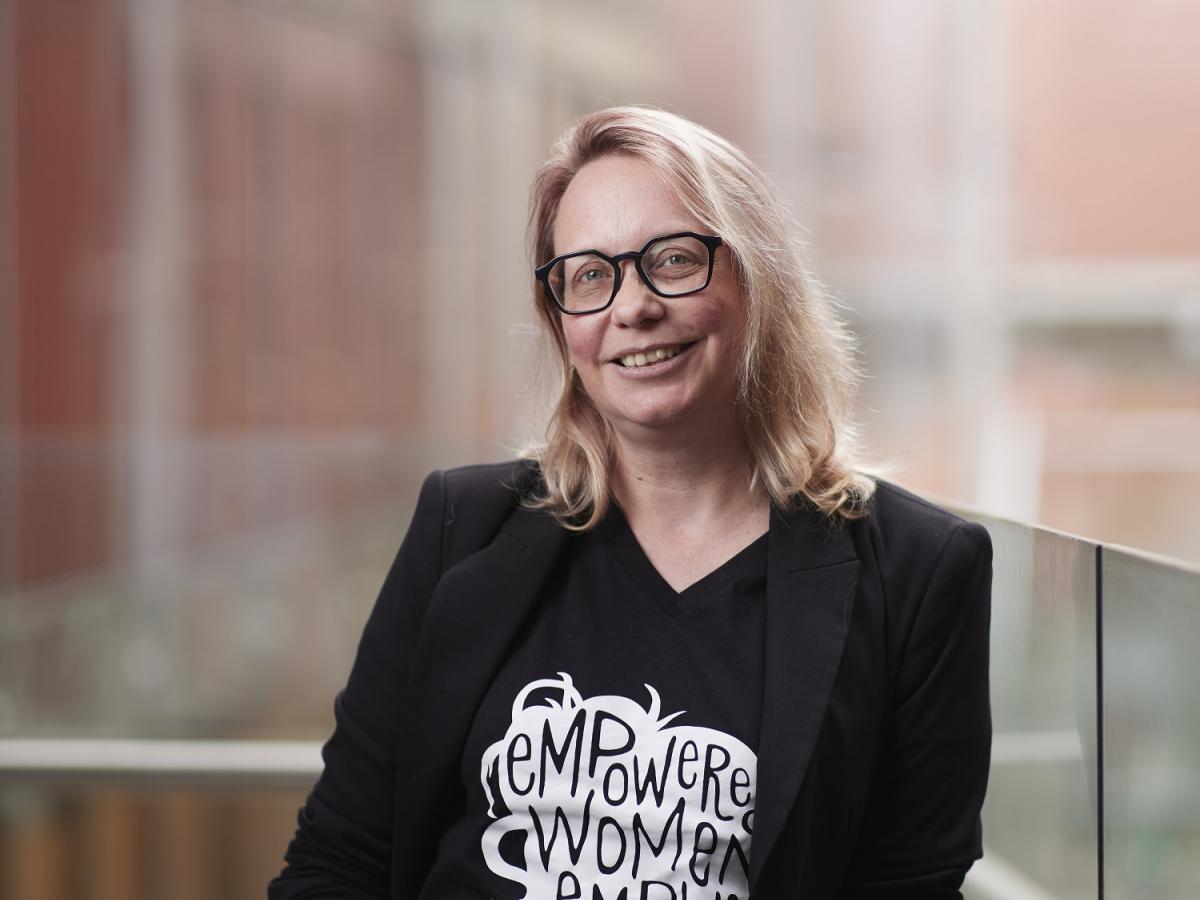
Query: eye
point(675, 259)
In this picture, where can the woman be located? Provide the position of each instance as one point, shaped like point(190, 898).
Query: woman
point(686, 649)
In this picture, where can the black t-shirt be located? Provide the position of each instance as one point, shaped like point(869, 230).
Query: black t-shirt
point(614, 756)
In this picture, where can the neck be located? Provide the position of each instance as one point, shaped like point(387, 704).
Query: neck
point(684, 478)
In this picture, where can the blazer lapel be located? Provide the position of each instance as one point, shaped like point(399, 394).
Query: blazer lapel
point(812, 569)
point(473, 617)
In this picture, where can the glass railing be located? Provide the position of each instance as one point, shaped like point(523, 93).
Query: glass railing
point(1150, 777)
point(1040, 815)
point(160, 730)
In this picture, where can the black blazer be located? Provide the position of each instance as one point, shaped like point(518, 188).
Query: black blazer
point(876, 730)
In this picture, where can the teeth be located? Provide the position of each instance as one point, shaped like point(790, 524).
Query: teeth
point(634, 360)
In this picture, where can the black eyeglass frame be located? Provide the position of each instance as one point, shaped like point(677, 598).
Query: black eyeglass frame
point(542, 272)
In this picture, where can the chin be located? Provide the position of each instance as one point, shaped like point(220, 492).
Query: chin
point(656, 417)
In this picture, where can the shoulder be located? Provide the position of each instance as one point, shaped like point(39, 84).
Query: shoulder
point(907, 533)
point(501, 483)
point(892, 506)
point(470, 504)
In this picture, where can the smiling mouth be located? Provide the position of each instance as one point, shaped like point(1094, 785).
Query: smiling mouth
point(661, 354)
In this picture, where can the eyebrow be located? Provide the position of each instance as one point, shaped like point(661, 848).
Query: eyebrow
point(658, 232)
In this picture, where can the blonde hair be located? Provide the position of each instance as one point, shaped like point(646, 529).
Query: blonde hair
point(796, 375)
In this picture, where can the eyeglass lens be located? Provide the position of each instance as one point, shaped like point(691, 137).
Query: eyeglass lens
point(677, 265)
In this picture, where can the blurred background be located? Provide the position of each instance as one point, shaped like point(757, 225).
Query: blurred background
point(261, 269)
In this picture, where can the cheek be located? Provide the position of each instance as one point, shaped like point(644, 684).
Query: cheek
point(583, 340)
point(714, 318)
point(723, 319)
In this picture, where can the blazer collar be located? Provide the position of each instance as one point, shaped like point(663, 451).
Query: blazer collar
point(479, 606)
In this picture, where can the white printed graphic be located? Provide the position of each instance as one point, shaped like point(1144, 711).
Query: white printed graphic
point(615, 805)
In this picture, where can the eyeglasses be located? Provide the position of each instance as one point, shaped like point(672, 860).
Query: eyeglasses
point(587, 281)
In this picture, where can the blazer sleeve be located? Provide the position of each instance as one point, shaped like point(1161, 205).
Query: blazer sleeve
point(342, 844)
point(921, 827)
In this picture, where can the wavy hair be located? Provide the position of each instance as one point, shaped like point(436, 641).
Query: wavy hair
point(796, 375)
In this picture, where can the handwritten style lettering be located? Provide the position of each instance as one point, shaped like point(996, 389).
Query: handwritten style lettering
point(615, 802)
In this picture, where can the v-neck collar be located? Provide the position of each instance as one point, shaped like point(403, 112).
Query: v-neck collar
point(615, 530)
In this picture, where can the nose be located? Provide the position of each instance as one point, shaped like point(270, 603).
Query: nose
point(635, 304)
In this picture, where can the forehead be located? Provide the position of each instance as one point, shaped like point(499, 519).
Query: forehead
point(617, 203)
